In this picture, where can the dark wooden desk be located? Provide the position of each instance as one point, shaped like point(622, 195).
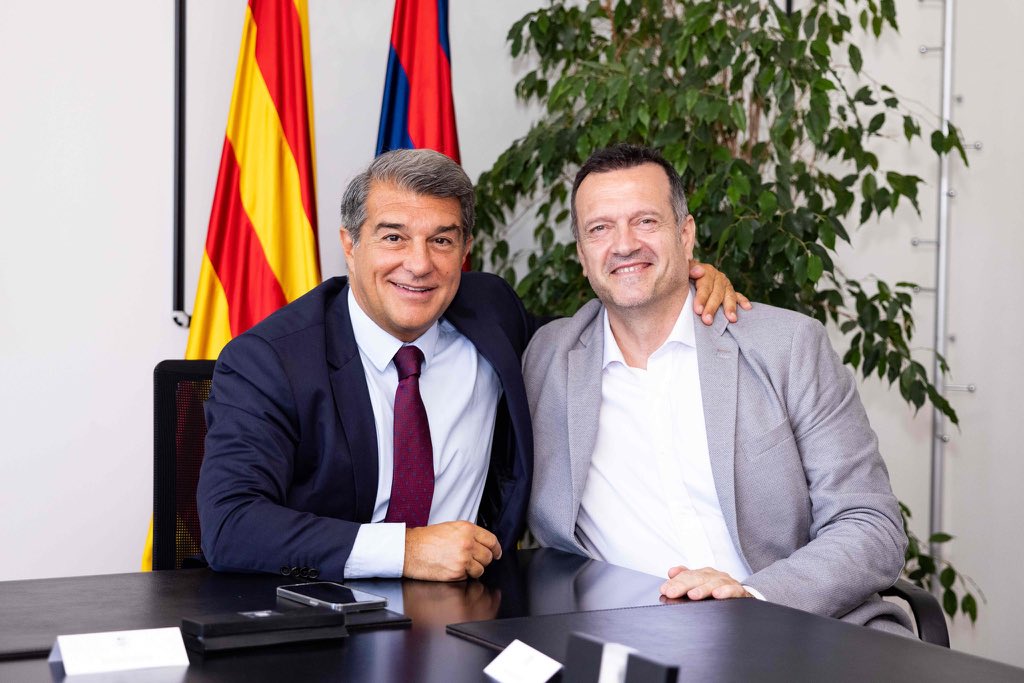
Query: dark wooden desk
point(748, 641)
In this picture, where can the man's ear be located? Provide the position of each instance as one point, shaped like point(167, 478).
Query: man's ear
point(579, 255)
point(689, 235)
point(347, 245)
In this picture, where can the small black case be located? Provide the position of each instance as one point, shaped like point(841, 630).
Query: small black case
point(238, 630)
point(260, 621)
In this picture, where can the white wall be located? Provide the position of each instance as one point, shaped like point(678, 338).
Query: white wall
point(85, 264)
point(85, 163)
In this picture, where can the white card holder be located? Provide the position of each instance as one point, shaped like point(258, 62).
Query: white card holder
point(156, 654)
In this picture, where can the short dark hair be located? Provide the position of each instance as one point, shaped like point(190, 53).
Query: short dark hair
point(422, 171)
point(623, 156)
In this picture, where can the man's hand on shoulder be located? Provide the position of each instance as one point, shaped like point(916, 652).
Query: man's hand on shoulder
point(699, 584)
point(714, 289)
point(450, 551)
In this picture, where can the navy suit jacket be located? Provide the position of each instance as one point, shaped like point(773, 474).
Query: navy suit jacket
point(290, 471)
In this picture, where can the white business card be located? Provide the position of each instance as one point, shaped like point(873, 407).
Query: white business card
point(520, 663)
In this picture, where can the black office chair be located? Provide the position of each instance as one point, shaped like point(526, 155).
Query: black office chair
point(928, 615)
point(179, 428)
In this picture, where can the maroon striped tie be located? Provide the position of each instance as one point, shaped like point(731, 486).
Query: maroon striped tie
point(412, 483)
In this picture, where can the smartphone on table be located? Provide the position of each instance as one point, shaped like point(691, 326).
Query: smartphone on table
point(332, 596)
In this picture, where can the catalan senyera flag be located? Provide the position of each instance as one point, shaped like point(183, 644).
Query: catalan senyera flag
point(418, 110)
point(261, 244)
point(261, 247)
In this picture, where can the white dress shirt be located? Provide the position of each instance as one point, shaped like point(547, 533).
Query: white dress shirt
point(650, 501)
point(460, 392)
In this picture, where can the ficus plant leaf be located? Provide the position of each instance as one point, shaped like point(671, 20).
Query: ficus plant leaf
point(773, 132)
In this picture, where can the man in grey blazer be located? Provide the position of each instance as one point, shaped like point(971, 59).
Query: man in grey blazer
point(735, 460)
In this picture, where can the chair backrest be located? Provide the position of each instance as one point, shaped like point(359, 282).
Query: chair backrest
point(179, 428)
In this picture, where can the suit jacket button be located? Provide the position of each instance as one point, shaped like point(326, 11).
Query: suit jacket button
point(286, 570)
point(304, 573)
point(295, 571)
point(314, 573)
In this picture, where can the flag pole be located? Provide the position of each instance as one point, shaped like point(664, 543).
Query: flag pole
point(178, 314)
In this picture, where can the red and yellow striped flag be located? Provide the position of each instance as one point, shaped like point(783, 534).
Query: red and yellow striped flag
point(261, 249)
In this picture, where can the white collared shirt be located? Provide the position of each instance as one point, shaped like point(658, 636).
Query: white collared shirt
point(650, 501)
point(460, 392)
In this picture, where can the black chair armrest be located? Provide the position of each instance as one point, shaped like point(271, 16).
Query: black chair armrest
point(928, 614)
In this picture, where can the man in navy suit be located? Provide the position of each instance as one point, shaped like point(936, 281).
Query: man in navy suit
point(305, 470)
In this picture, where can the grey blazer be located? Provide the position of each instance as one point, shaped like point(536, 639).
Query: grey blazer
point(803, 489)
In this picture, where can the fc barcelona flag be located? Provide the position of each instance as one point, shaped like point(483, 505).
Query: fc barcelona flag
point(418, 111)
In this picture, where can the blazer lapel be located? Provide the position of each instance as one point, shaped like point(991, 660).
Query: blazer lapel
point(717, 361)
point(499, 352)
point(352, 398)
point(583, 407)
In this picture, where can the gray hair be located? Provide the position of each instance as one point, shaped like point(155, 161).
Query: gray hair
point(422, 171)
point(624, 156)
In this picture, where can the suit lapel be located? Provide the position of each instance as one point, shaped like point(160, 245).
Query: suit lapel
point(498, 351)
point(352, 398)
point(494, 345)
point(583, 405)
point(717, 360)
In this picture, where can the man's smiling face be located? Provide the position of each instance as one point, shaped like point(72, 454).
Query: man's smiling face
point(631, 245)
point(407, 265)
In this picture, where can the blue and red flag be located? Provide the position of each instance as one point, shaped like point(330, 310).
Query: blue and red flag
point(418, 111)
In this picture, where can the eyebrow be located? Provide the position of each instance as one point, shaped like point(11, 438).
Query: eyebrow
point(440, 230)
point(632, 217)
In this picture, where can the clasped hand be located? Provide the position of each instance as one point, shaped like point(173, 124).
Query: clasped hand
point(450, 551)
point(698, 584)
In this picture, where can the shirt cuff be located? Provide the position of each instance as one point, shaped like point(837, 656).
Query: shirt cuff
point(756, 593)
point(379, 551)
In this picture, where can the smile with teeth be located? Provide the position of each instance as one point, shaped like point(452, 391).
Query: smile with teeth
point(626, 270)
point(410, 288)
